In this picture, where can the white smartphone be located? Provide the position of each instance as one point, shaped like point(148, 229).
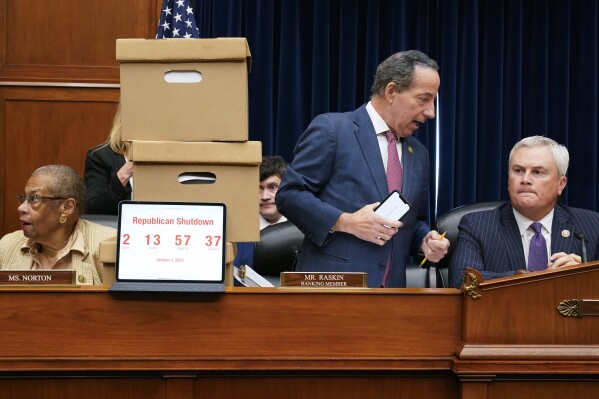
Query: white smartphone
point(394, 207)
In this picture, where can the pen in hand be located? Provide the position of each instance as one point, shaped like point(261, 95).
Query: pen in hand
point(440, 239)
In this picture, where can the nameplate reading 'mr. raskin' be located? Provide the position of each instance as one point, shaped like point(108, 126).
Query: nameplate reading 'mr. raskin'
point(37, 277)
point(323, 280)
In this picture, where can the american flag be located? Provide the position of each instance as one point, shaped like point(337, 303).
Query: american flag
point(177, 20)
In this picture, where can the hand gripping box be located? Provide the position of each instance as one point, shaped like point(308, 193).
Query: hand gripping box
point(184, 89)
point(203, 172)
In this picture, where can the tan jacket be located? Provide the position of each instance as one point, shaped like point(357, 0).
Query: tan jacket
point(88, 267)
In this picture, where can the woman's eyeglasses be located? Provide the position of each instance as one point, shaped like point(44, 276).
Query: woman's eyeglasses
point(34, 199)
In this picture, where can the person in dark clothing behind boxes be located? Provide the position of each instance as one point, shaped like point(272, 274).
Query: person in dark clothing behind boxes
point(108, 172)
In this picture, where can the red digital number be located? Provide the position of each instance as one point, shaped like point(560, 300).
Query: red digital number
point(155, 241)
point(212, 241)
point(126, 238)
point(182, 240)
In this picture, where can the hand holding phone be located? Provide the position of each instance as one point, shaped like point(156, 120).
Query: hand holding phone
point(394, 207)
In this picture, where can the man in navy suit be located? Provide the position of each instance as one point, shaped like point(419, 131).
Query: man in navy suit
point(338, 177)
point(497, 242)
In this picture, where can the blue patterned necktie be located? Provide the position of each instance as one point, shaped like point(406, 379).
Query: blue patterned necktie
point(537, 253)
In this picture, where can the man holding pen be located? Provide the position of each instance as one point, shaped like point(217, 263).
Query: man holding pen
point(345, 164)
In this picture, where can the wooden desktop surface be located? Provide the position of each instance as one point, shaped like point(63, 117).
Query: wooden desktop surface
point(247, 342)
point(89, 328)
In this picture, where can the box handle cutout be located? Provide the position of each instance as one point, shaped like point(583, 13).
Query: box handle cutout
point(182, 77)
point(197, 178)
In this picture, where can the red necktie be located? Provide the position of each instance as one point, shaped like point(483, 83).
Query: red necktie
point(394, 172)
point(394, 178)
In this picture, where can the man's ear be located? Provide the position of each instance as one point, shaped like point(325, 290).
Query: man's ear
point(562, 185)
point(390, 90)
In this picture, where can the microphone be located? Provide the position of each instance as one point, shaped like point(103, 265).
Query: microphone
point(583, 256)
point(295, 250)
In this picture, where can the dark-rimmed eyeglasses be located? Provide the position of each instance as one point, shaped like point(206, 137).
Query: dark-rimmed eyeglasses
point(34, 199)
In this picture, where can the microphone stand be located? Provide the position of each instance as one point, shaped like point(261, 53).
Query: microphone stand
point(583, 255)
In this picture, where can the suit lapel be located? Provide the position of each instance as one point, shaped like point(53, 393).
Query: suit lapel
point(562, 232)
point(407, 165)
point(370, 149)
point(510, 234)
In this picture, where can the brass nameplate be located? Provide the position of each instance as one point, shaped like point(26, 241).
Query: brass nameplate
point(323, 280)
point(37, 277)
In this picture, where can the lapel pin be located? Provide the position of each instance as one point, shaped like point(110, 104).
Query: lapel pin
point(565, 233)
point(410, 150)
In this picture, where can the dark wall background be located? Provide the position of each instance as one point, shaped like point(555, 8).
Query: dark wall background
point(509, 69)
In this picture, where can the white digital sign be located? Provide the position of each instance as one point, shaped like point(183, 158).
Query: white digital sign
point(171, 241)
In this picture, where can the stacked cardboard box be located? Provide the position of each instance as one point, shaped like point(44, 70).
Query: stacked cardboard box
point(184, 105)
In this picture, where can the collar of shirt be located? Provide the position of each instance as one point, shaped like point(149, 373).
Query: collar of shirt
point(75, 243)
point(265, 223)
point(524, 223)
point(380, 126)
point(526, 232)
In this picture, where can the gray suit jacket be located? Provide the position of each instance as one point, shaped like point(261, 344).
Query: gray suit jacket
point(490, 241)
point(338, 168)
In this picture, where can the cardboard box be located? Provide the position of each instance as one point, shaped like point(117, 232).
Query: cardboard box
point(212, 109)
point(108, 259)
point(216, 172)
point(108, 250)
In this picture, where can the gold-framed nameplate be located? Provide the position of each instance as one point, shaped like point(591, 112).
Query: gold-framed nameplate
point(324, 280)
point(37, 277)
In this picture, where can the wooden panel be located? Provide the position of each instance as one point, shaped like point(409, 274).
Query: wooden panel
point(323, 386)
point(267, 328)
point(180, 387)
point(516, 344)
point(547, 389)
point(65, 40)
point(248, 386)
point(77, 388)
point(251, 343)
point(255, 343)
point(44, 126)
point(531, 316)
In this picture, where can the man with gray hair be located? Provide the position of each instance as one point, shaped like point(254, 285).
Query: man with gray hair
point(532, 232)
point(345, 164)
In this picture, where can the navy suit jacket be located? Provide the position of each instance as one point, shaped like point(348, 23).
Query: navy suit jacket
point(245, 254)
point(338, 168)
point(490, 241)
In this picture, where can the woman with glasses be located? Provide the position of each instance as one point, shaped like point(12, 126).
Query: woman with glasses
point(52, 234)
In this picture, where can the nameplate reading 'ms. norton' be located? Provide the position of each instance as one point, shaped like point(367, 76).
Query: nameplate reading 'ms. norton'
point(323, 280)
point(37, 277)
